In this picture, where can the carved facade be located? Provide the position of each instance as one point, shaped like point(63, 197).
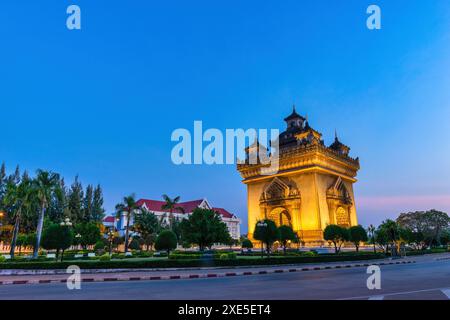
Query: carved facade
point(311, 187)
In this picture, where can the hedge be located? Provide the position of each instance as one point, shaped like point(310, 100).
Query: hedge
point(124, 264)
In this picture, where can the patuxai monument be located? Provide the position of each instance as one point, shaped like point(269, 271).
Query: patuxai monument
point(311, 188)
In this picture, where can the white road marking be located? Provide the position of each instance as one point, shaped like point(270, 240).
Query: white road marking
point(446, 292)
point(376, 298)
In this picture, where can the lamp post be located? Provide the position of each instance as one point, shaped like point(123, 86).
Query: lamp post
point(110, 239)
point(66, 223)
point(78, 239)
point(262, 224)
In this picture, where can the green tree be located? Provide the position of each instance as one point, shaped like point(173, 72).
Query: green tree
point(57, 237)
point(429, 223)
point(171, 205)
point(267, 232)
point(167, 240)
point(45, 185)
point(147, 225)
point(87, 204)
point(89, 234)
point(389, 233)
point(75, 202)
point(247, 244)
point(128, 206)
point(30, 240)
point(98, 213)
point(57, 208)
point(2, 184)
point(357, 234)
point(21, 242)
point(337, 235)
point(135, 244)
point(413, 238)
point(381, 239)
point(18, 197)
point(15, 177)
point(286, 235)
point(371, 232)
point(204, 227)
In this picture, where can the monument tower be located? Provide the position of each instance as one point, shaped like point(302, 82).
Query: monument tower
point(312, 188)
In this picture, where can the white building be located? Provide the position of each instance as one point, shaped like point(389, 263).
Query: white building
point(155, 206)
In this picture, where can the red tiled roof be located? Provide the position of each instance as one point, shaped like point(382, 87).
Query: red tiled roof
point(156, 205)
point(188, 206)
point(109, 219)
point(224, 213)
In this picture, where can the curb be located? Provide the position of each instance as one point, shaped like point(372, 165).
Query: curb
point(204, 275)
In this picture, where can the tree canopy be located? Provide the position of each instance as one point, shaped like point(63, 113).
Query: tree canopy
point(204, 227)
point(337, 235)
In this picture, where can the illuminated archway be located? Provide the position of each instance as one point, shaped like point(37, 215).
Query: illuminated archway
point(280, 216)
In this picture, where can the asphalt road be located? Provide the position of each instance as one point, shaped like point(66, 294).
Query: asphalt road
point(425, 280)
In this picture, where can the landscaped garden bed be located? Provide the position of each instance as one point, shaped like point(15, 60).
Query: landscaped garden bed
point(185, 263)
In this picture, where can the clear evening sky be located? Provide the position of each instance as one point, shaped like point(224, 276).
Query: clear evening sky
point(102, 102)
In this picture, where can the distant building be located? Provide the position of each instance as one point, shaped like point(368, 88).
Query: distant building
point(155, 206)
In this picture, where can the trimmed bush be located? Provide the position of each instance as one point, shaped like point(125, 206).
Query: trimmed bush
point(174, 263)
point(100, 245)
point(105, 257)
point(308, 254)
point(232, 255)
point(224, 256)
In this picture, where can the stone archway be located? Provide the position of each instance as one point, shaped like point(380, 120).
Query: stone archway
point(280, 216)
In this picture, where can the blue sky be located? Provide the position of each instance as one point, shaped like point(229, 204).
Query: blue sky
point(102, 102)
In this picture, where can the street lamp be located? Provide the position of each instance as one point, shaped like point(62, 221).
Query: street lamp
point(262, 224)
point(110, 239)
point(66, 223)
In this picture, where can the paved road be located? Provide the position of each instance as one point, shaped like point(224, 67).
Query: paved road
point(424, 280)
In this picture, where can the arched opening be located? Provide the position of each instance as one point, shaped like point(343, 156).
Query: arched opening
point(280, 216)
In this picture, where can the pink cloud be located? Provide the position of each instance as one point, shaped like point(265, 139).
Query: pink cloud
point(403, 203)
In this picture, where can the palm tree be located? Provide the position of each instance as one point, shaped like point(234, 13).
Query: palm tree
point(18, 197)
point(46, 184)
point(371, 230)
point(171, 205)
point(128, 206)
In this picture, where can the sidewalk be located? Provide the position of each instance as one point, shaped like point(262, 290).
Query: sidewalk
point(101, 275)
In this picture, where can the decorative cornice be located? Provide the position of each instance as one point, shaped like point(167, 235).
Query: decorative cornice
point(304, 157)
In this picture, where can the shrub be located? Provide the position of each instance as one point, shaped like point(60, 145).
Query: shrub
point(145, 254)
point(134, 245)
point(100, 245)
point(2, 258)
point(247, 244)
point(308, 254)
point(132, 263)
point(224, 256)
point(181, 256)
point(232, 255)
point(105, 257)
